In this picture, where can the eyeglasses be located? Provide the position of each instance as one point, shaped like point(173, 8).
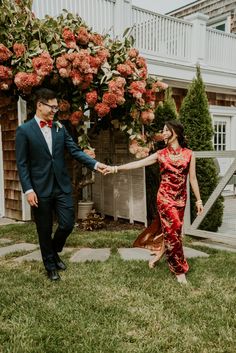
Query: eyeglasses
point(54, 108)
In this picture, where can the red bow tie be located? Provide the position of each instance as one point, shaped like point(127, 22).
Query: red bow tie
point(44, 123)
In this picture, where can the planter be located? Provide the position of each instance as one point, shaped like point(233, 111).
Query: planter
point(84, 208)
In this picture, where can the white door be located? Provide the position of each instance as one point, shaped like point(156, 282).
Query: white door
point(2, 196)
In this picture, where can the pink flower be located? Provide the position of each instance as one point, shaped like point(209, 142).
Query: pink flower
point(147, 116)
point(102, 109)
point(76, 77)
point(137, 88)
point(76, 116)
point(69, 38)
point(43, 64)
point(19, 49)
point(161, 85)
point(109, 99)
point(141, 62)
point(103, 54)
point(124, 69)
point(64, 105)
point(97, 39)
point(65, 73)
point(62, 62)
point(90, 152)
point(83, 36)
point(91, 98)
point(5, 72)
point(133, 53)
point(5, 77)
point(26, 81)
point(5, 53)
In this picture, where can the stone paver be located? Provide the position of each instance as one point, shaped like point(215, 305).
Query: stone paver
point(144, 254)
point(215, 246)
point(88, 254)
point(5, 241)
point(191, 253)
point(36, 255)
point(5, 221)
point(134, 254)
point(17, 247)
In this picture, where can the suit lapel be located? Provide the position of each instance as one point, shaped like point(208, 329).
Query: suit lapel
point(54, 135)
point(39, 135)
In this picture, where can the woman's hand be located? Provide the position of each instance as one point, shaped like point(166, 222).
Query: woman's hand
point(200, 207)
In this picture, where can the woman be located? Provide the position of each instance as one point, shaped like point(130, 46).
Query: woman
point(176, 162)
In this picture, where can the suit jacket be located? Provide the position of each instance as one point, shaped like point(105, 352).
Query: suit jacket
point(37, 167)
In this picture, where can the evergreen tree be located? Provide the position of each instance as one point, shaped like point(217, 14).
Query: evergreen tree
point(194, 115)
point(164, 112)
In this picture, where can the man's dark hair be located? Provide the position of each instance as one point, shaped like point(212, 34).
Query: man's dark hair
point(44, 95)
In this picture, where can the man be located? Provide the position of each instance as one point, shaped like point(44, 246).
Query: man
point(40, 145)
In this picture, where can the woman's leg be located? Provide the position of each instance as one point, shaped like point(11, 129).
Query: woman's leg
point(172, 221)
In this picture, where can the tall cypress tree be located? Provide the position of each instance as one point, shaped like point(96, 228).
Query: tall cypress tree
point(164, 112)
point(194, 115)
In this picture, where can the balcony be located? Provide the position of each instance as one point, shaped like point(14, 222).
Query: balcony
point(171, 46)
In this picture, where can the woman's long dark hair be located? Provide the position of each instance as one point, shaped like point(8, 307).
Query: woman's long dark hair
point(177, 127)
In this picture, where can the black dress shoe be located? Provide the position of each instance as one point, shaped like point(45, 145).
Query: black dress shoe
point(59, 263)
point(53, 275)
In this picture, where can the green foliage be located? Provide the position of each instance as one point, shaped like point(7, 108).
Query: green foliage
point(195, 116)
point(165, 111)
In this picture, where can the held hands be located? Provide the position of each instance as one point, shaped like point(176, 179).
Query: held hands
point(199, 206)
point(110, 170)
point(101, 168)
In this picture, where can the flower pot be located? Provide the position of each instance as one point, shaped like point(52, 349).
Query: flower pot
point(84, 208)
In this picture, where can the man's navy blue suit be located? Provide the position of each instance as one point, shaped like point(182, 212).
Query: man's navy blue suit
point(47, 175)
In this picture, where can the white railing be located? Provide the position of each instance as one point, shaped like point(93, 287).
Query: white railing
point(165, 36)
point(220, 49)
point(158, 37)
point(96, 13)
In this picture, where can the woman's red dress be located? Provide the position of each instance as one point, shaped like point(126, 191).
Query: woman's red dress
point(171, 201)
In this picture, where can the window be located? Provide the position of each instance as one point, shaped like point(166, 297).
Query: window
point(220, 135)
point(220, 27)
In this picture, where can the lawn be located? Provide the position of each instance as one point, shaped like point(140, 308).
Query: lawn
point(117, 306)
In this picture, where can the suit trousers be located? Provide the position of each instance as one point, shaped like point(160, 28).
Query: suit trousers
point(62, 205)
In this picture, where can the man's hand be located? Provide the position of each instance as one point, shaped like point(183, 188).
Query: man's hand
point(101, 167)
point(32, 199)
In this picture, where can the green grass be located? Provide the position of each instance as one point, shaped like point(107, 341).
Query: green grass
point(117, 306)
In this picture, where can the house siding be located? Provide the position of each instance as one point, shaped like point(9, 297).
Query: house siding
point(12, 189)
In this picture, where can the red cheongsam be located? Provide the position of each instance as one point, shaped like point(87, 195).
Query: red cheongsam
point(171, 201)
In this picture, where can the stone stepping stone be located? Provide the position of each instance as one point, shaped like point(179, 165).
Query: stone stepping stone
point(6, 241)
point(88, 254)
point(17, 247)
point(215, 246)
point(191, 253)
point(144, 254)
point(134, 254)
point(36, 255)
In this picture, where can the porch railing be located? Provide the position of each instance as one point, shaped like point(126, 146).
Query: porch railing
point(165, 36)
point(157, 37)
point(220, 49)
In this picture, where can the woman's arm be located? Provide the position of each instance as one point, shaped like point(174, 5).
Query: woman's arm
point(194, 184)
point(133, 165)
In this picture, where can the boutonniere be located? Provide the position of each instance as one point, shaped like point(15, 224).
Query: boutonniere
point(58, 125)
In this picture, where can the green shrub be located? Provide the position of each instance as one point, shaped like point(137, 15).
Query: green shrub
point(195, 116)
